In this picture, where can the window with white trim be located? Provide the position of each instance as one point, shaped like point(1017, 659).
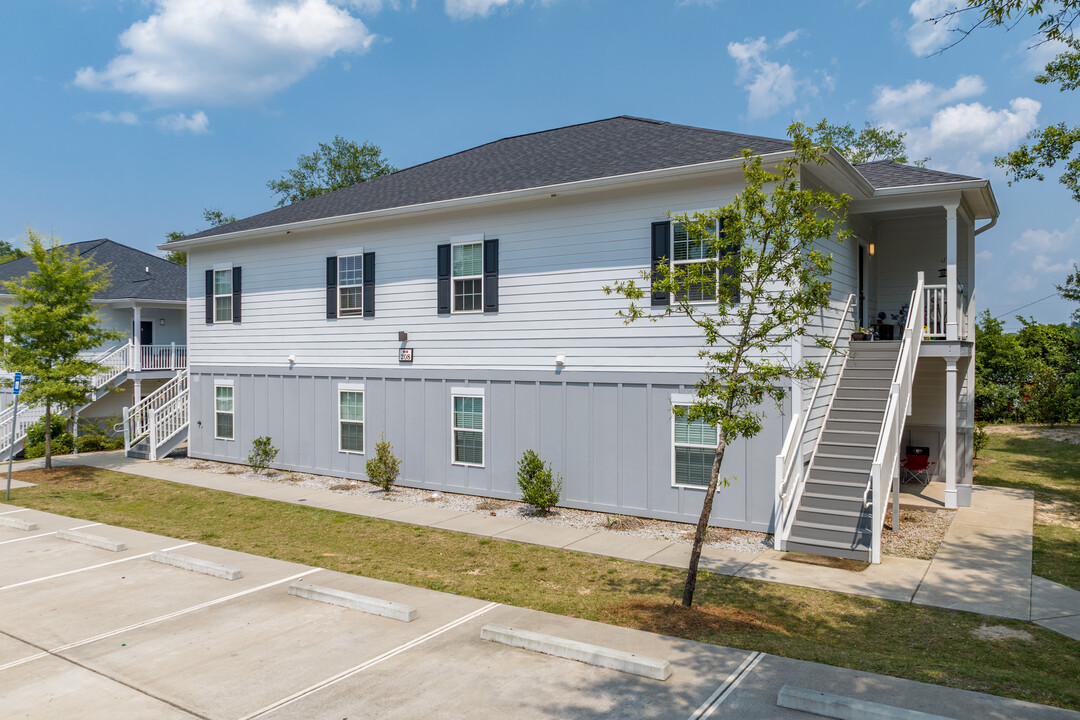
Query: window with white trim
point(224, 411)
point(467, 428)
point(694, 444)
point(468, 276)
point(350, 285)
point(688, 251)
point(351, 418)
point(223, 295)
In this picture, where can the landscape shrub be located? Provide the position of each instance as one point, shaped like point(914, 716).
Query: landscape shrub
point(979, 438)
point(538, 487)
point(63, 442)
point(262, 453)
point(97, 434)
point(383, 469)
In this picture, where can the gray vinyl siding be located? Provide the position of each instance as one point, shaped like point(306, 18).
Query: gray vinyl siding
point(906, 247)
point(609, 437)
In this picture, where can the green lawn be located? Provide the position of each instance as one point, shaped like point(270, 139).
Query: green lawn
point(907, 641)
point(1052, 469)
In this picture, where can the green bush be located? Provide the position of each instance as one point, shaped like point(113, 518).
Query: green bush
point(979, 438)
point(97, 434)
point(383, 469)
point(538, 487)
point(63, 442)
point(262, 453)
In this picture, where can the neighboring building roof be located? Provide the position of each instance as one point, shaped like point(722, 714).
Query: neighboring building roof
point(128, 276)
point(604, 148)
point(887, 173)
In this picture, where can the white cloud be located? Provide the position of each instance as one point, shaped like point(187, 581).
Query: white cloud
point(197, 123)
point(962, 137)
point(462, 9)
point(770, 86)
point(1048, 241)
point(925, 37)
point(123, 118)
point(918, 99)
point(984, 256)
point(1046, 266)
point(226, 52)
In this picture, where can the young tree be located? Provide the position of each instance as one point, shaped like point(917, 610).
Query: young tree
point(870, 144)
point(51, 322)
point(213, 216)
point(1071, 290)
point(331, 167)
point(769, 281)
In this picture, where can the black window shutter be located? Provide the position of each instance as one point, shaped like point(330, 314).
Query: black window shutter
point(729, 271)
point(209, 297)
point(331, 287)
point(369, 284)
point(444, 279)
point(491, 275)
point(661, 234)
point(236, 294)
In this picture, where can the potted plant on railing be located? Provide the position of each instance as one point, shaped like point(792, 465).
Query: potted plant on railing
point(861, 334)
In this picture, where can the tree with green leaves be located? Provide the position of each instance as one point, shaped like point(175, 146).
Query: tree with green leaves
point(1057, 23)
point(213, 216)
point(9, 252)
point(331, 167)
point(761, 282)
point(50, 324)
point(1071, 290)
point(870, 144)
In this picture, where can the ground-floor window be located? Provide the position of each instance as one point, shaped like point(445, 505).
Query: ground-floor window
point(467, 426)
point(224, 425)
point(351, 418)
point(695, 447)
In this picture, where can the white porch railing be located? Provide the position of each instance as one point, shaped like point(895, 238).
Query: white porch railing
point(148, 414)
point(28, 415)
point(116, 362)
point(790, 470)
point(163, 357)
point(884, 470)
point(935, 311)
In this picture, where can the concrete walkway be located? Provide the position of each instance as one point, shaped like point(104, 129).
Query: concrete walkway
point(983, 565)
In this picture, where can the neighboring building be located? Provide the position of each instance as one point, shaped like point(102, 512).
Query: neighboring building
point(456, 307)
point(146, 300)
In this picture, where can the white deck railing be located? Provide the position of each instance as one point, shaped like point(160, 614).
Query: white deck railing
point(115, 361)
point(935, 311)
point(790, 470)
point(884, 475)
point(28, 415)
point(163, 357)
point(140, 418)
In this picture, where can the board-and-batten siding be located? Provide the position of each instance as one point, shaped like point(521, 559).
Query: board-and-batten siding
point(554, 259)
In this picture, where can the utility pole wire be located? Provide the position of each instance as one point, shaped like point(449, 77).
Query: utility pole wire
point(1010, 312)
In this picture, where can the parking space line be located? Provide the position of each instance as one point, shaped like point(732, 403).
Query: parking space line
point(370, 663)
point(728, 686)
point(151, 621)
point(31, 537)
point(91, 567)
point(9, 512)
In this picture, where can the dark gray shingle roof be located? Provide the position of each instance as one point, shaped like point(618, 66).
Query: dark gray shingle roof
point(128, 277)
point(886, 174)
point(604, 148)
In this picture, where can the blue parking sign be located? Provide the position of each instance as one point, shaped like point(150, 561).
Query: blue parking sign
point(16, 387)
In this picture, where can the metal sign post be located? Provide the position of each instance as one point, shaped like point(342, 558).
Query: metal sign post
point(16, 388)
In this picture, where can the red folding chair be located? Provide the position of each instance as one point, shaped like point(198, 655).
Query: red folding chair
point(915, 467)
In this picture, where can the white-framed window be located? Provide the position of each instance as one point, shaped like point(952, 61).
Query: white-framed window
point(351, 418)
point(223, 295)
point(350, 270)
point(467, 276)
point(224, 410)
point(693, 449)
point(688, 251)
point(467, 426)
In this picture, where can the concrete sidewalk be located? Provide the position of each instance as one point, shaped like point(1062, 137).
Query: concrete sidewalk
point(983, 565)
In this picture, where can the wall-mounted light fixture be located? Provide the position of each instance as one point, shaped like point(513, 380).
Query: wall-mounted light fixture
point(292, 360)
point(560, 360)
point(161, 321)
point(402, 336)
point(870, 249)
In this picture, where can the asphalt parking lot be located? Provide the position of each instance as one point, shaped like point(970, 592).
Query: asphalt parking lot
point(89, 633)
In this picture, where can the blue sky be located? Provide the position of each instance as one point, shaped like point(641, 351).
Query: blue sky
point(125, 118)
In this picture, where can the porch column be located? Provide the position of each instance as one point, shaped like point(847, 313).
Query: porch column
point(136, 313)
point(952, 307)
point(950, 458)
point(136, 394)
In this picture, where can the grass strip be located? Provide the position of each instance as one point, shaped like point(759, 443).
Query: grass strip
point(918, 643)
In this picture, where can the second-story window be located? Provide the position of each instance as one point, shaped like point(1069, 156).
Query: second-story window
point(468, 269)
point(687, 251)
point(350, 285)
point(223, 295)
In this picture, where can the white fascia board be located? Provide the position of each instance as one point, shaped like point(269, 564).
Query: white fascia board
point(507, 196)
point(982, 187)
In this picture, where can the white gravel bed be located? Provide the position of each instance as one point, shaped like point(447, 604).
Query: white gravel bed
point(737, 540)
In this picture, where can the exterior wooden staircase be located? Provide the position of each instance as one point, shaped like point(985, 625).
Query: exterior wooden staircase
point(833, 518)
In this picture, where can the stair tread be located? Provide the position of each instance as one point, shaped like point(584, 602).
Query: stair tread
point(829, 496)
point(830, 511)
point(829, 543)
point(824, 526)
point(837, 483)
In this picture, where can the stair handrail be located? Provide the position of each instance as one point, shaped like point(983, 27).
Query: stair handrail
point(168, 420)
point(137, 418)
point(116, 362)
point(887, 452)
point(28, 415)
point(790, 475)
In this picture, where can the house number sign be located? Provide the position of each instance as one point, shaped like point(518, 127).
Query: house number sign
point(404, 354)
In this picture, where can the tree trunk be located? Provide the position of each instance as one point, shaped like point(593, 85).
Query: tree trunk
point(703, 521)
point(48, 436)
